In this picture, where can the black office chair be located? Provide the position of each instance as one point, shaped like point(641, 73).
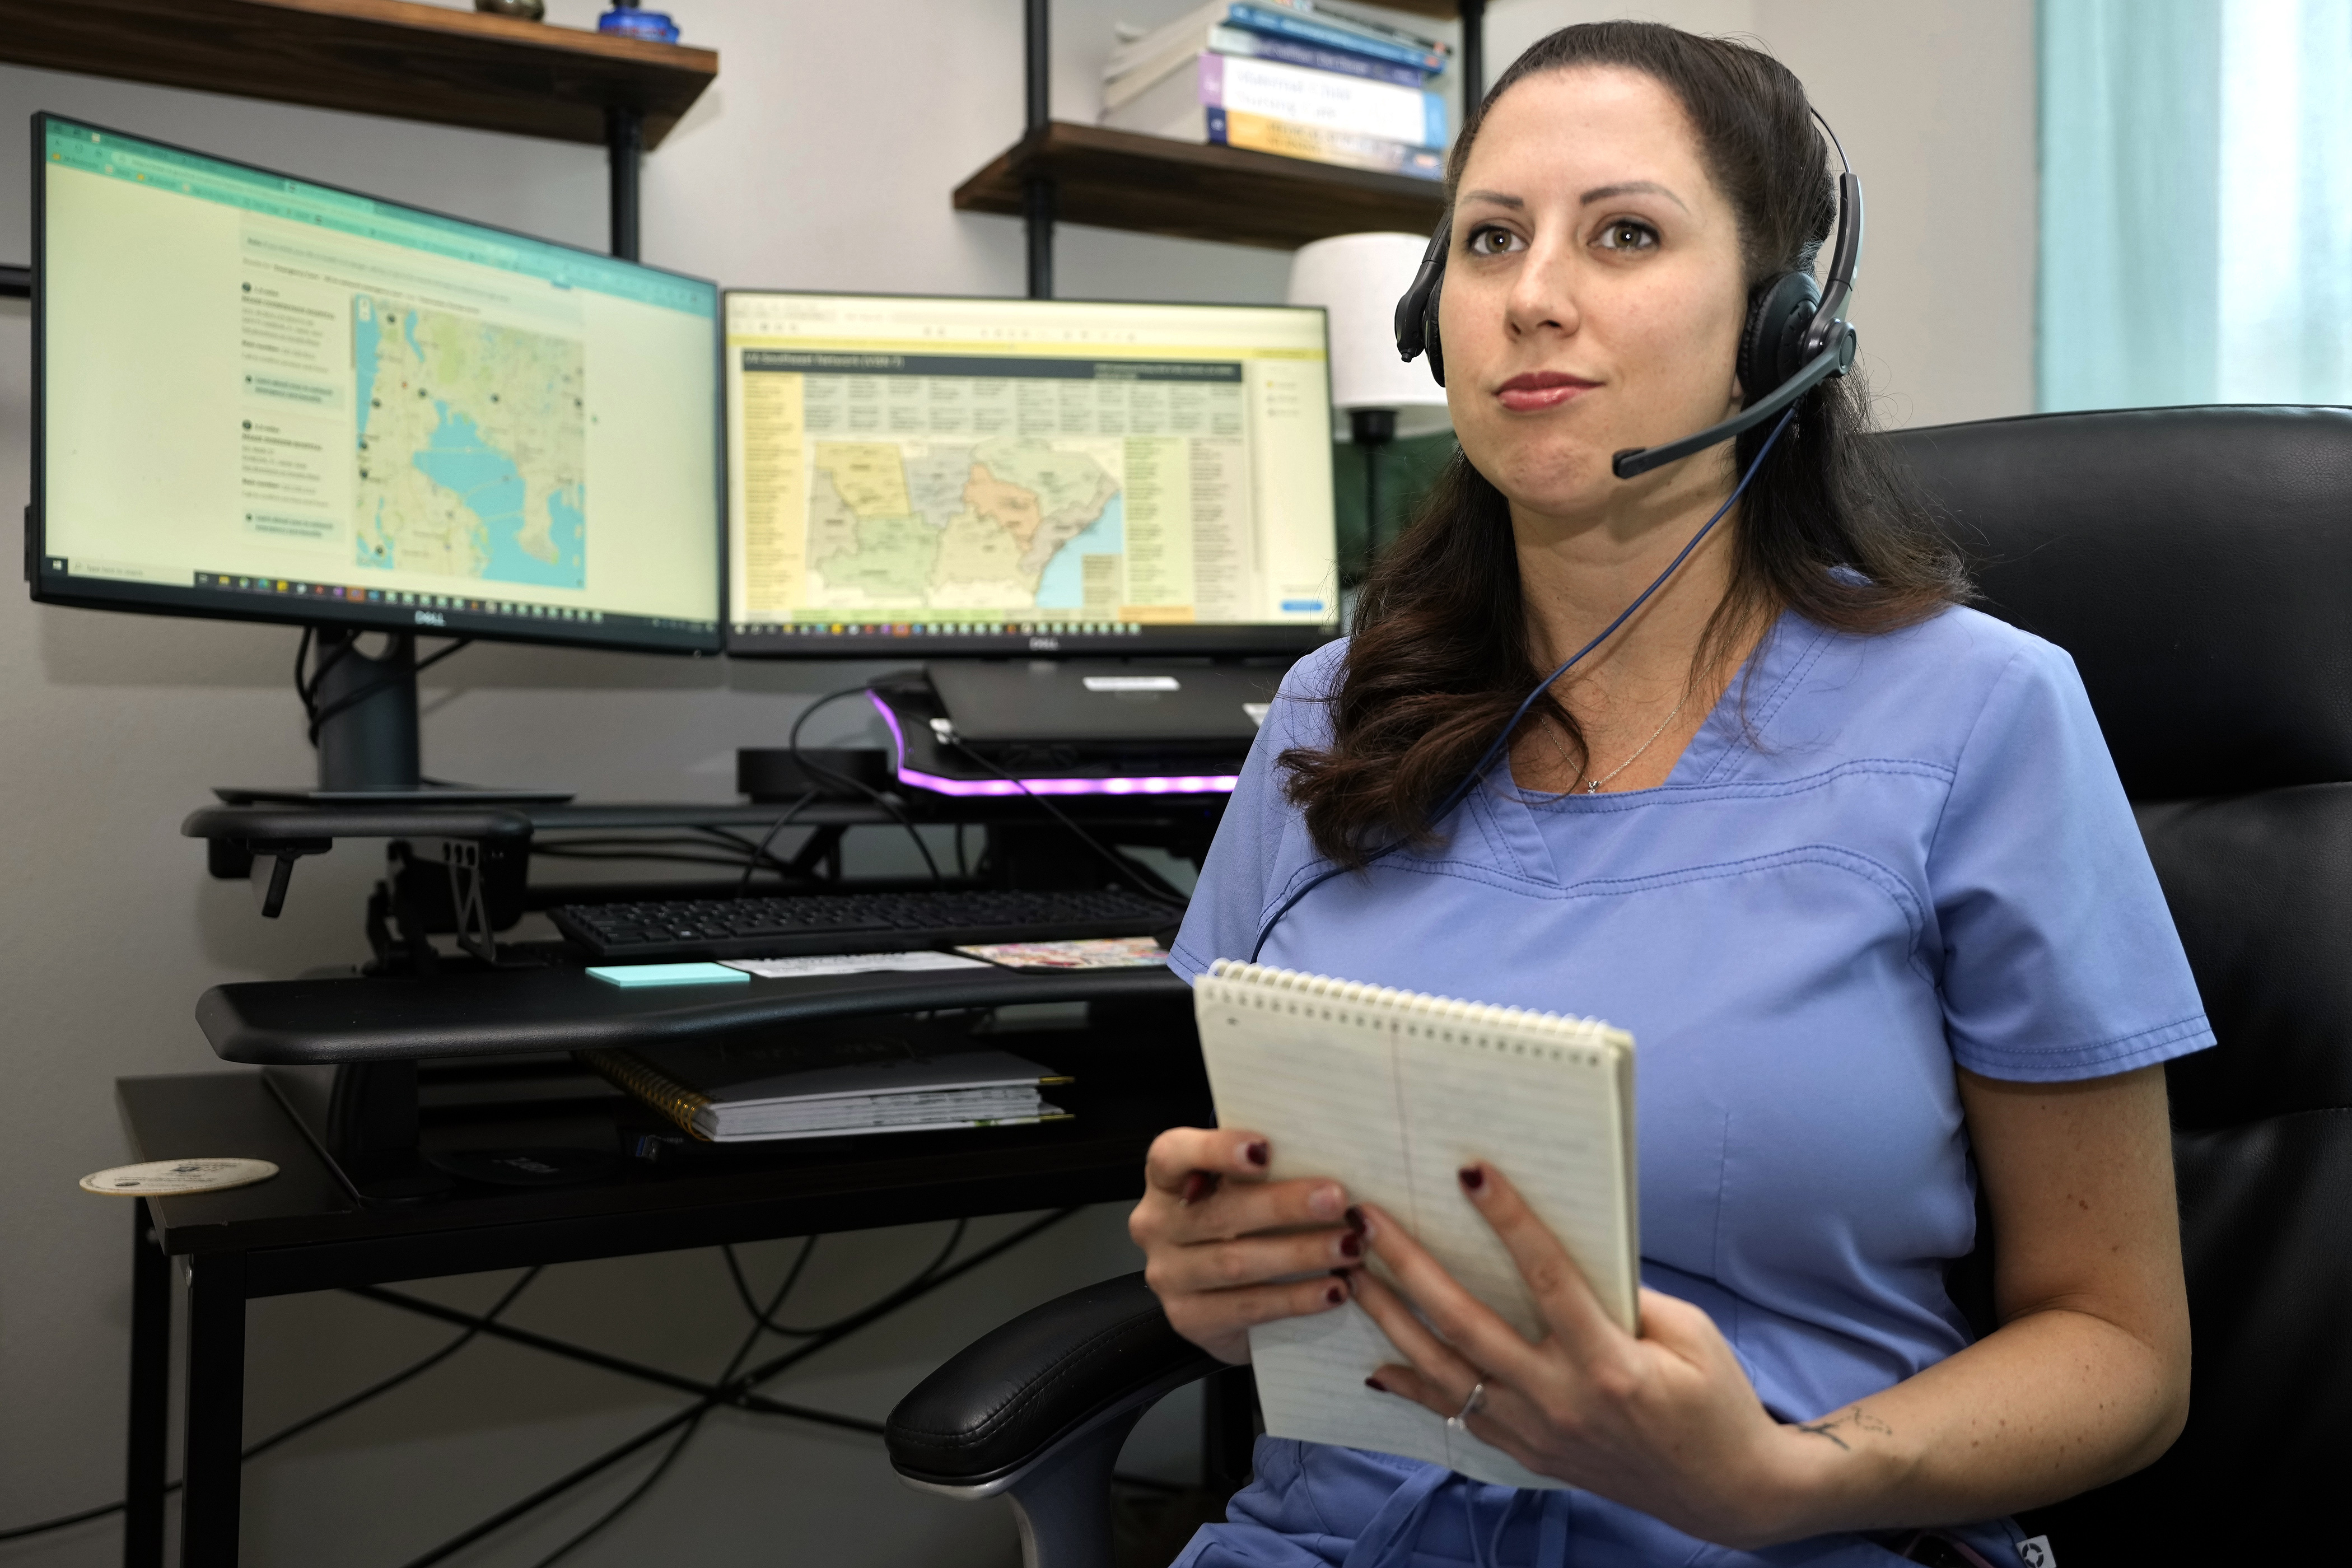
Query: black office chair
point(2198, 564)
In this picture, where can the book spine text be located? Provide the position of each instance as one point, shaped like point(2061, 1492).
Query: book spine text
point(1314, 30)
point(1323, 101)
point(1259, 134)
point(1314, 57)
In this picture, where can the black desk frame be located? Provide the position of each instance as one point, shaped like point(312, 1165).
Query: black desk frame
point(304, 1231)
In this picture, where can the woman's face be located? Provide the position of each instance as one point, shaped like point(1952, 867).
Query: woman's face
point(1594, 293)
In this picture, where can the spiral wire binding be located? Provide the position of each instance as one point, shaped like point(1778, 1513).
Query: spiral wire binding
point(1258, 984)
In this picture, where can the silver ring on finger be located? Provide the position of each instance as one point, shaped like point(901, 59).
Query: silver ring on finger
point(1470, 1406)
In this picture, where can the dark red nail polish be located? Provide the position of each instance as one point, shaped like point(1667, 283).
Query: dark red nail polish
point(1256, 1153)
point(1198, 1184)
point(1335, 1294)
point(1375, 1385)
point(1473, 1178)
point(1355, 1218)
point(1352, 1245)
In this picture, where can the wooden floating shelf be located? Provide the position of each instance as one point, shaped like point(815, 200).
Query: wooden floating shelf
point(1152, 184)
point(370, 57)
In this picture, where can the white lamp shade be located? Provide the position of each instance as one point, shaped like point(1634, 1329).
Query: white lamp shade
point(1358, 279)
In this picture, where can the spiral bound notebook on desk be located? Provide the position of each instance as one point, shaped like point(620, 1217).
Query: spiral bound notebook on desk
point(1390, 1093)
point(780, 1090)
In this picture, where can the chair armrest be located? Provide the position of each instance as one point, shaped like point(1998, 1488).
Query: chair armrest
point(1014, 1395)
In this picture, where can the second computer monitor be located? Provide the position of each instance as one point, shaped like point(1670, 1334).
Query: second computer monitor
point(946, 476)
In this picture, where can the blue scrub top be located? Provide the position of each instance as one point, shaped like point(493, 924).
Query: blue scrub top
point(1880, 856)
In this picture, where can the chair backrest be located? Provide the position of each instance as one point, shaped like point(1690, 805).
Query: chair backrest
point(2197, 562)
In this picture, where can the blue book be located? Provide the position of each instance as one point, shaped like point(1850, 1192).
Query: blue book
point(1284, 24)
point(1313, 56)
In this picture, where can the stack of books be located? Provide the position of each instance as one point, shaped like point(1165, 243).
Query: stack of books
point(824, 1088)
point(1282, 76)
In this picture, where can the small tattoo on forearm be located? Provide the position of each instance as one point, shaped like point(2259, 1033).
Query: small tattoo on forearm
point(1858, 1419)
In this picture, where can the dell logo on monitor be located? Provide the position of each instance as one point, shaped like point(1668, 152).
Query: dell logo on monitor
point(430, 618)
point(1043, 645)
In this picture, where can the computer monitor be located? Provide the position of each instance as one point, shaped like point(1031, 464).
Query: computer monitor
point(262, 398)
point(912, 477)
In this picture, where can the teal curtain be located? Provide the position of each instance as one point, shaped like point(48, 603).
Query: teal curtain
point(2195, 202)
point(2286, 182)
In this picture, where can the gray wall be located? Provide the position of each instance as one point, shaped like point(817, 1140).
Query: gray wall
point(821, 159)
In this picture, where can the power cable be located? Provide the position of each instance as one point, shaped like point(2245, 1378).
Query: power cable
point(737, 1392)
point(818, 770)
point(750, 1404)
point(287, 1434)
point(750, 1381)
point(767, 1322)
point(1133, 875)
point(767, 838)
point(653, 1479)
point(308, 688)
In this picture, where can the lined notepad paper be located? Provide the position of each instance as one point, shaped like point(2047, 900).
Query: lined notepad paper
point(1392, 1092)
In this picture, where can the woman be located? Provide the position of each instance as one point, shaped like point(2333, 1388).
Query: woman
point(1850, 861)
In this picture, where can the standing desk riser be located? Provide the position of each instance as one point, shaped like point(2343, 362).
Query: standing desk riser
point(314, 1226)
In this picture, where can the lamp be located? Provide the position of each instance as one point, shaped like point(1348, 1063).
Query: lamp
point(1358, 278)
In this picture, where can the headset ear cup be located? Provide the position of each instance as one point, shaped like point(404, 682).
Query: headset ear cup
point(1772, 340)
point(1429, 339)
point(1416, 312)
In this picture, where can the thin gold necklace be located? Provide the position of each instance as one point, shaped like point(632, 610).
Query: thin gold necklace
point(1593, 786)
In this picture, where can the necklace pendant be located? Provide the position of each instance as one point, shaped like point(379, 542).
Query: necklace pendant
point(1593, 786)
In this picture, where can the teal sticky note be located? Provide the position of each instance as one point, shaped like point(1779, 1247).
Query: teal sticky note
point(634, 975)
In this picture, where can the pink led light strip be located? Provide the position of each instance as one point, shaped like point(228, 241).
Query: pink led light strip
point(1177, 783)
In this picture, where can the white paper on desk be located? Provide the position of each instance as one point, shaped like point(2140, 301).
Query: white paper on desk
point(817, 963)
point(1390, 1094)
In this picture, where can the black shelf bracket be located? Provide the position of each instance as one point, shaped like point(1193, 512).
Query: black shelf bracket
point(624, 152)
point(1037, 189)
point(1473, 68)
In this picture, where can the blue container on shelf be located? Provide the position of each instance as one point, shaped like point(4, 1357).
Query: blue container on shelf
point(630, 22)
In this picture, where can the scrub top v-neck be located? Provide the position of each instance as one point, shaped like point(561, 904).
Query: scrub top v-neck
point(1879, 858)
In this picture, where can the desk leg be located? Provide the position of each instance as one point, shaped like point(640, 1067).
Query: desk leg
point(151, 1393)
point(216, 1429)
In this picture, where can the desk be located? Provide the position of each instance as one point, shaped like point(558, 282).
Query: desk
point(306, 1230)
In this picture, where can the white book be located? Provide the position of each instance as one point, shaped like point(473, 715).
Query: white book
point(1390, 1093)
point(1289, 21)
point(1145, 74)
point(1323, 101)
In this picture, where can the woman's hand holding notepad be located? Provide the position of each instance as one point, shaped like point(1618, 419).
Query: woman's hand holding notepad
point(1391, 1094)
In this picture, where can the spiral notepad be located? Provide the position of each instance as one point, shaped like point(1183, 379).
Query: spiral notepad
point(1392, 1092)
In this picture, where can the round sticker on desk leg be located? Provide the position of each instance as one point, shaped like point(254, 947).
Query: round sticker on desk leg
point(160, 1178)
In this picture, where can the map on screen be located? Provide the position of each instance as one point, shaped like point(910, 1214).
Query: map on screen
point(1013, 486)
point(1007, 524)
point(1007, 464)
point(346, 409)
point(471, 447)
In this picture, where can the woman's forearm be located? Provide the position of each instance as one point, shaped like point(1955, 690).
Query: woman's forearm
point(2057, 1401)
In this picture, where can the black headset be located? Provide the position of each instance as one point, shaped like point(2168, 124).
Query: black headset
point(1795, 337)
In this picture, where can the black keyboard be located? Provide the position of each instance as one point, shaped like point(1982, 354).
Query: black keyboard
point(853, 922)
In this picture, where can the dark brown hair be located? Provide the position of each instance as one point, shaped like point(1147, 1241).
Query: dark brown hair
point(1439, 652)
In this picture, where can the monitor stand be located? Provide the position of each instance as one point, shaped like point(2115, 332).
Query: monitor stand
point(367, 735)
